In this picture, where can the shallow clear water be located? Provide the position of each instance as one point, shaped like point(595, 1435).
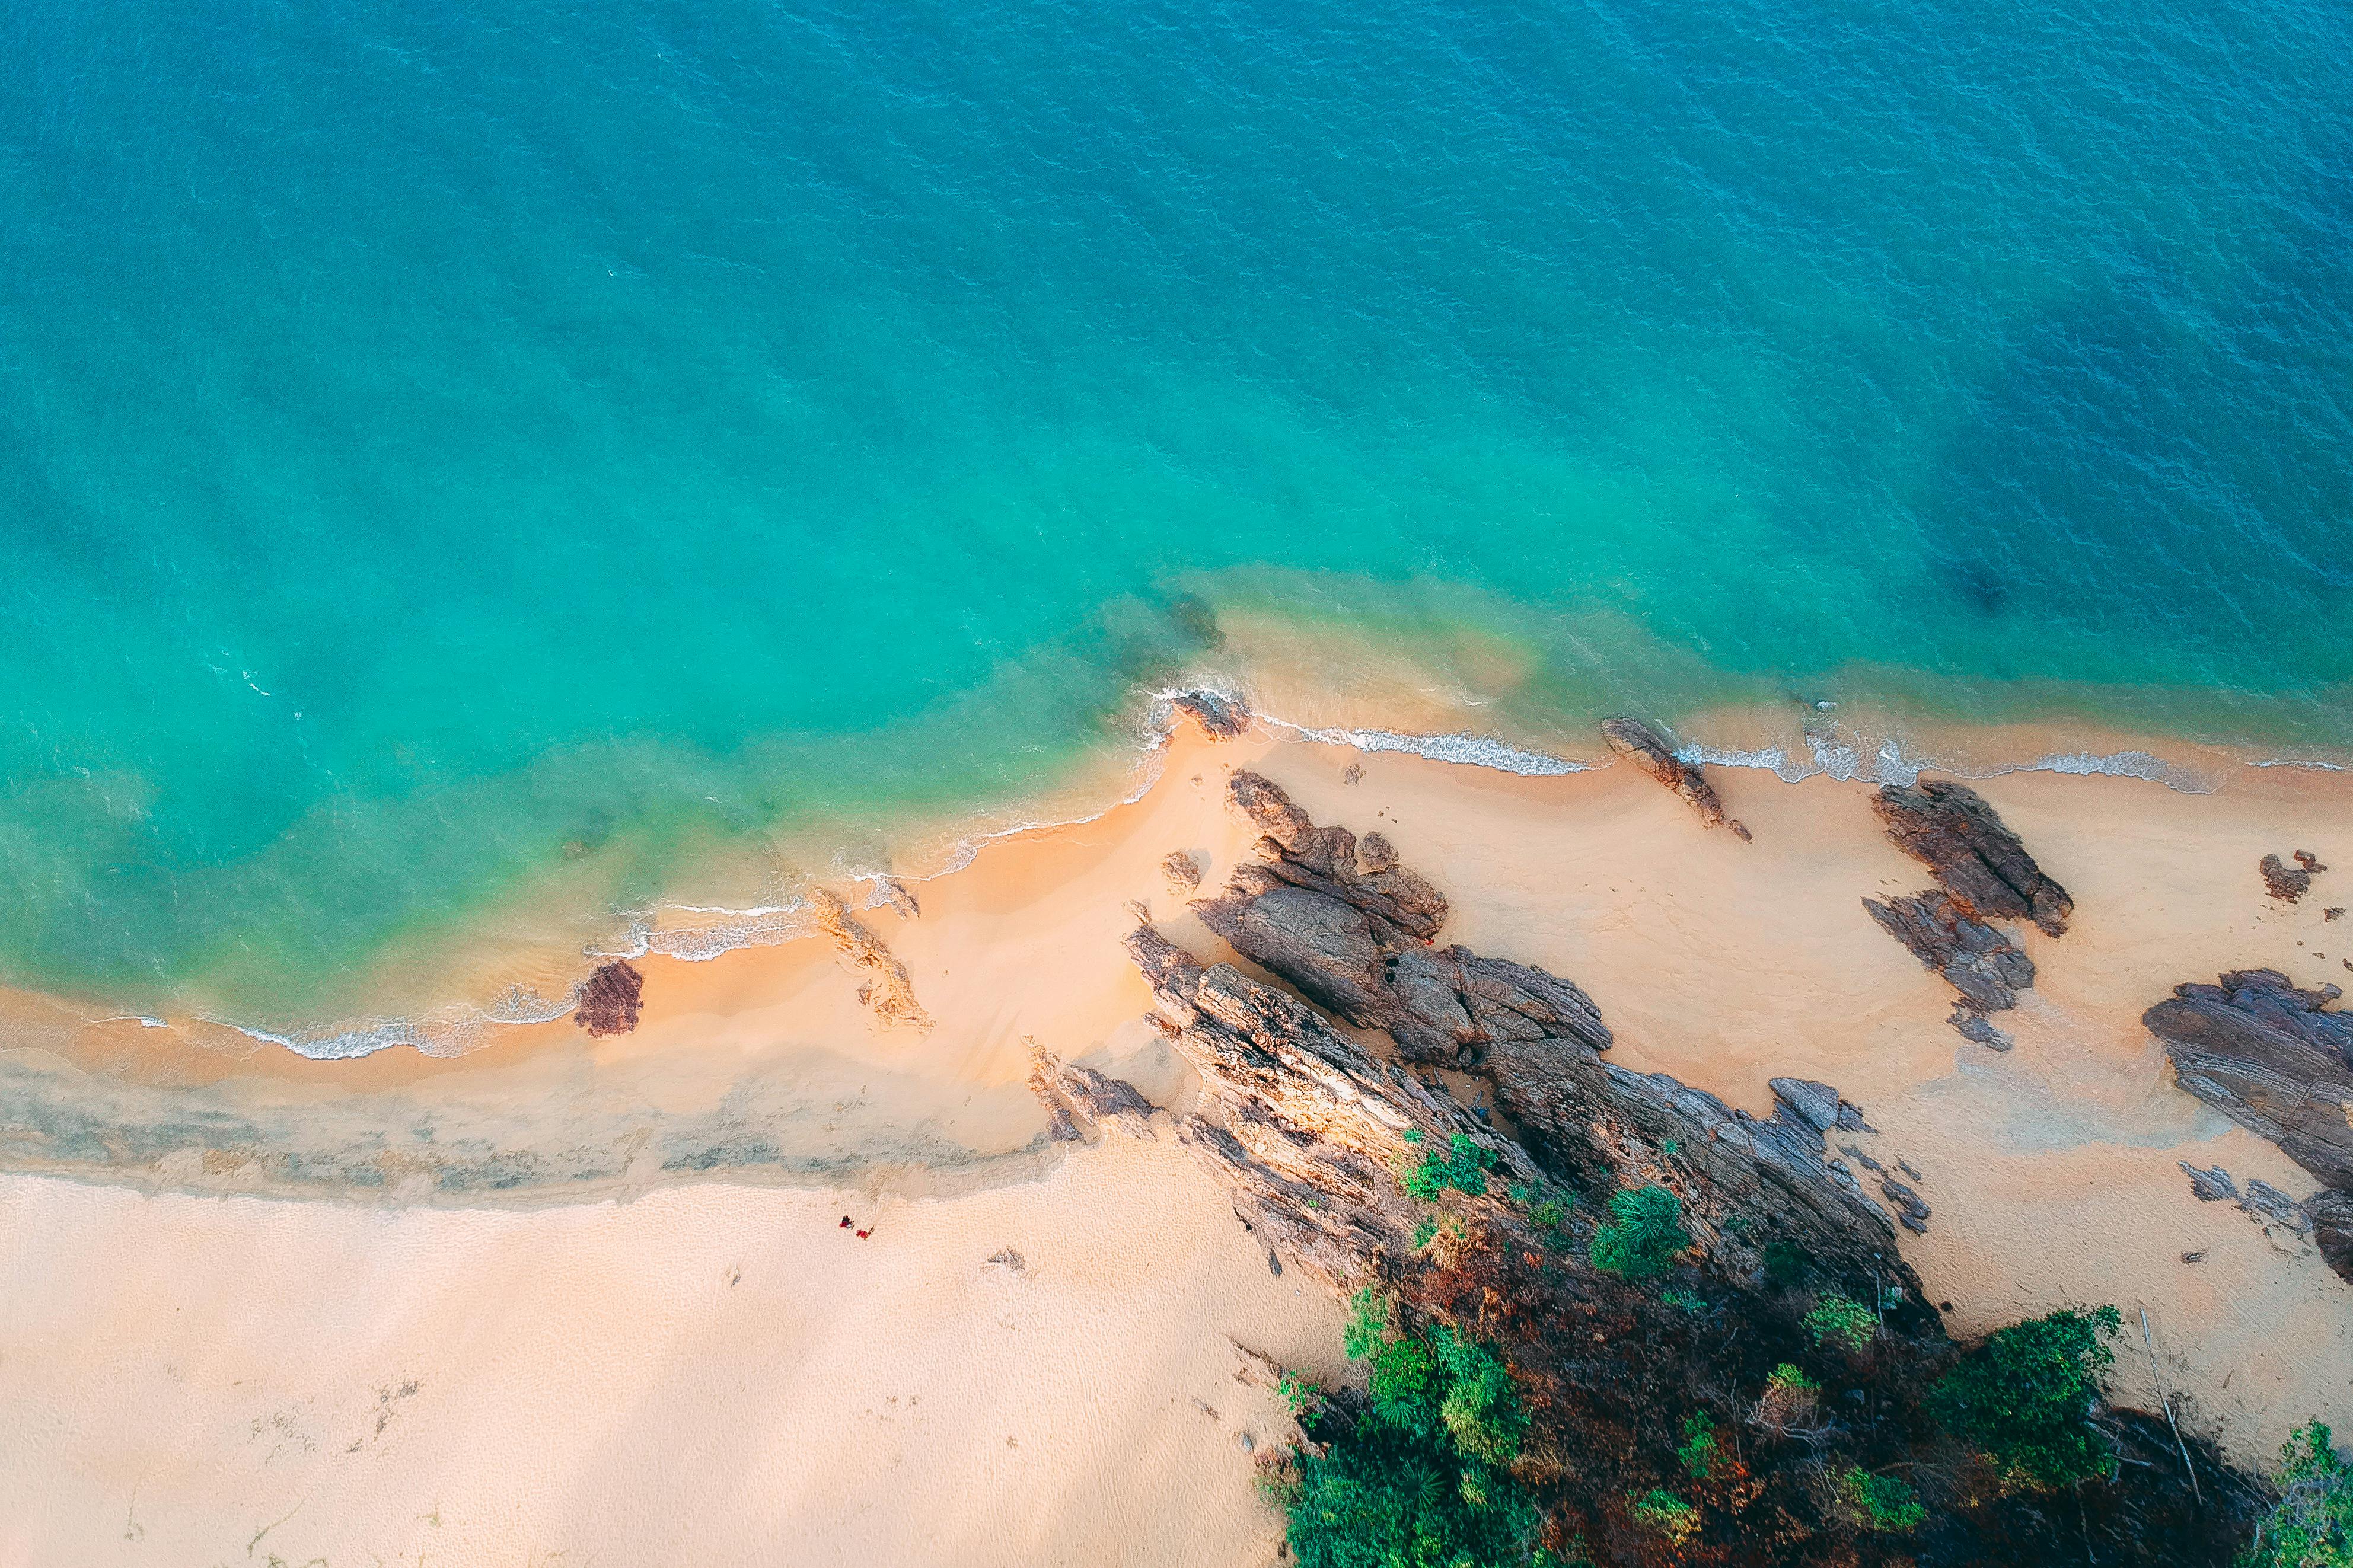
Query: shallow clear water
point(462, 459)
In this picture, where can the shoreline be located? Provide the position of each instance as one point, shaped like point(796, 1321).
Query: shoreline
point(1791, 741)
point(758, 1081)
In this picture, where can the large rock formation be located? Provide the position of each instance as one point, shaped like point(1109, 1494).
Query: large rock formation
point(1642, 745)
point(1313, 910)
point(1980, 861)
point(1348, 926)
point(2267, 1056)
point(1985, 872)
point(1311, 1128)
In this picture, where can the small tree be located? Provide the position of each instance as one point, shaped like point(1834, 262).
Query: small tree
point(2312, 1524)
point(1644, 1234)
point(1701, 1453)
point(1877, 1502)
point(1840, 1321)
point(1668, 1514)
point(2023, 1396)
point(1791, 1399)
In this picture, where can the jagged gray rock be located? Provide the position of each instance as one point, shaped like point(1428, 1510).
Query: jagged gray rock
point(2209, 1186)
point(1081, 1103)
point(1647, 747)
point(1221, 715)
point(1984, 965)
point(2332, 1229)
point(1351, 931)
point(2268, 1056)
point(1977, 859)
point(1356, 940)
point(1312, 1127)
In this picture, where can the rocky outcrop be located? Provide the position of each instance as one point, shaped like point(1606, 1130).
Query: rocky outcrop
point(1643, 745)
point(610, 1000)
point(1983, 965)
point(2269, 1056)
point(1312, 1129)
point(2331, 1214)
point(886, 992)
point(1221, 715)
point(1978, 860)
point(1985, 872)
point(2277, 1061)
point(1350, 927)
point(1182, 872)
point(1081, 1103)
point(2285, 883)
point(1353, 934)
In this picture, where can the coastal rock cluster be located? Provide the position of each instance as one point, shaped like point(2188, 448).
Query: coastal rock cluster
point(2276, 1060)
point(610, 1000)
point(2285, 883)
point(1369, 1172)
point(1647, 747)
point(1984, 873)
point(886, 991)
point(1351, 928)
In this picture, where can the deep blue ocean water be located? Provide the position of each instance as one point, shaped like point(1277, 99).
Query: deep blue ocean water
point(455, 457)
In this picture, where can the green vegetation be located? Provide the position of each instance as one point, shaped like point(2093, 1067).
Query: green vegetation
point(1463, 1167)
point(1644, 1234)
point(1684, 1300)
point(1785, 1263)
point(2312, 1524)
point(2023, 1396)
point(1701, 1453)
point(1668, 1514)
point(1877, 1502)
point(1791, 1399)
point(1422, 1477)
point(1840, 1321)
point(1303, 1396)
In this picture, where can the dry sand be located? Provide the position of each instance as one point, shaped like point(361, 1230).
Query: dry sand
point(590, 1386)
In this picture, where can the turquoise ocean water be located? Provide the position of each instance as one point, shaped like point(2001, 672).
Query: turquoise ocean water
point(467, 460)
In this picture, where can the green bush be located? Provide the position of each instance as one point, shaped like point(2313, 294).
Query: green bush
point(1644, 1234)
point(1668, 1514)
point(1463, 1167)
point(1684, 1300)
point(1878, 1503)
point(1419, 1478)
point(2312, 1524)
point(2023, 1396)
point(1840, 1321)
point(1785, 1263)
point(1701, 1453)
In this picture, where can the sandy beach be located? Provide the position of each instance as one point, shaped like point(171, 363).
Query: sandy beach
point(611, 1272)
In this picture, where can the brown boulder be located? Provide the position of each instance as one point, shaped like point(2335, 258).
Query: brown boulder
point(1645, 746)
point(1951, 827)
point(610, 999)
point(2271, 1059)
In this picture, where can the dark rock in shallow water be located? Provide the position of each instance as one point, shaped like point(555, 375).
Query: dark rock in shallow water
point(1982, 964)
point(1642, 745)
point(1951, 827)
point(1220, 716)
point(610, 999)
point(2267, 1056)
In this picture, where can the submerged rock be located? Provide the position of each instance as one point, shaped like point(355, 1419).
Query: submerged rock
point(1220, 715)
point(2269, 1056)
point(1977, 859)
point(1643, 745)
point(610, 1000)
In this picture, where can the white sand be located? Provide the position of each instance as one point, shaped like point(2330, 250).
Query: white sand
point(709, 1374)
